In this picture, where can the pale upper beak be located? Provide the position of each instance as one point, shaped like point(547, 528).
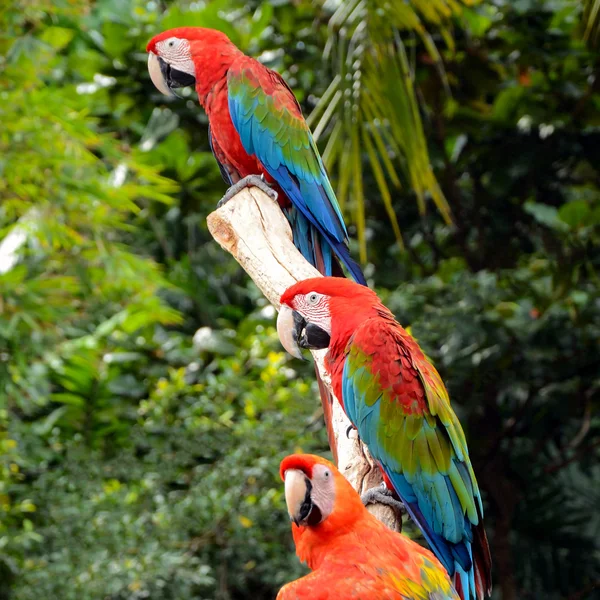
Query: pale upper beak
point(297, 496)
point(157, 76)
point(286, 330)
point(296, 332)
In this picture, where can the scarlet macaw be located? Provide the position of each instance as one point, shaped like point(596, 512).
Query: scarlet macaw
point(350, 552)
point(257, 134)
point(396, 399)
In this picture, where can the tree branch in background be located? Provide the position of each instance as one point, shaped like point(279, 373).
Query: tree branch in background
point(252, 228)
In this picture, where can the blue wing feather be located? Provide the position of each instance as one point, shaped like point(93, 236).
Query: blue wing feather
point(312, 195)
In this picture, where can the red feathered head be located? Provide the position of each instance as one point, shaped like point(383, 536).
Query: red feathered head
point(189, 55)
point(324, 312)
point(316, 493)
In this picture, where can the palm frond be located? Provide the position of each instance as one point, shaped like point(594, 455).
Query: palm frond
point(591, 21)
point(370, 110)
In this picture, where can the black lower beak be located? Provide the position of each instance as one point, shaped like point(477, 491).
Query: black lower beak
point(173, 77)
point(309, 513)
point(305, 510)
point(308, 335)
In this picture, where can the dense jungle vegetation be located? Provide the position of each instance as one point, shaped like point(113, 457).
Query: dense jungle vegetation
point(145, 400)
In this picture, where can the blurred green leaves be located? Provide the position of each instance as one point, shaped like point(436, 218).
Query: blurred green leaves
point(68, 191)
point(510, 340)
point(211, 15)
point(145, 401)
point(172, 491)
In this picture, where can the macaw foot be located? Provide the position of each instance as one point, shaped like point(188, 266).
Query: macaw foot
point(351, 430)
point(249, 181)
point(382, 495)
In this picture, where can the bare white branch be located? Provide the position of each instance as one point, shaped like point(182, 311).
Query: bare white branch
point(254, 230)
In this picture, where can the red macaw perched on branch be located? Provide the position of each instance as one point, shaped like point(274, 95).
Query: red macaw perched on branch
point(397, 401)
point(258, 136)
point(351, 553)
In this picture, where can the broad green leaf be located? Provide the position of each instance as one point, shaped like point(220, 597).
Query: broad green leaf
point(575, 214)
point(66, 398)
point(57, 37)
point(545, 215)
point(507, 102)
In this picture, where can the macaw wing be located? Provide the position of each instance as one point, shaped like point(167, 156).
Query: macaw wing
point(269, 120)
point(270, 124)
point(224, 171)
point(401, 411)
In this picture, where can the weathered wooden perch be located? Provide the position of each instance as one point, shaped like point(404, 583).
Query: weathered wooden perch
point(253, 229)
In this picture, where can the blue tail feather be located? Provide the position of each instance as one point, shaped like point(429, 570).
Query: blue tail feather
point(456, 558)
point(308, 199)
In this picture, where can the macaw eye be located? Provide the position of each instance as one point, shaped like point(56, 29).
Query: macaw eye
point(313, 298)
point(171, 43)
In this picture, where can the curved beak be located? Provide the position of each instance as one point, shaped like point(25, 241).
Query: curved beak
point(287, 325)
point(300, 506)
point(296, 332)
point(157, 69)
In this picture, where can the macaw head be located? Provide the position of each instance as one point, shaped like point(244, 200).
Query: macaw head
point(309, 488)
point(186, 56)
point(317, 495)
point(323, 312)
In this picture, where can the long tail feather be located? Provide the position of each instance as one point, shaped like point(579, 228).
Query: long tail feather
point(482, 561)
point(321, 252)
point(458, 559)
point(342, 251)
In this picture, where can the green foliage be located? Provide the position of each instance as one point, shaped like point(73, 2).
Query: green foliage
point(592, 21)
point(173, 509)
point(527, 403)
point(371, 103)
point(145, 402)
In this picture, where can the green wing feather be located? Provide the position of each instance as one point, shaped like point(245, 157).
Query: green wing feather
point(268, 119)
point(397, 401)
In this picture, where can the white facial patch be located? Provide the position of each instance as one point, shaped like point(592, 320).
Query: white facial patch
point(314, 307)
point(323, 489)
point(176, 52)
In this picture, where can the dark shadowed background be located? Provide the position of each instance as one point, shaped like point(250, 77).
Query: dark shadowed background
point(145, 401)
